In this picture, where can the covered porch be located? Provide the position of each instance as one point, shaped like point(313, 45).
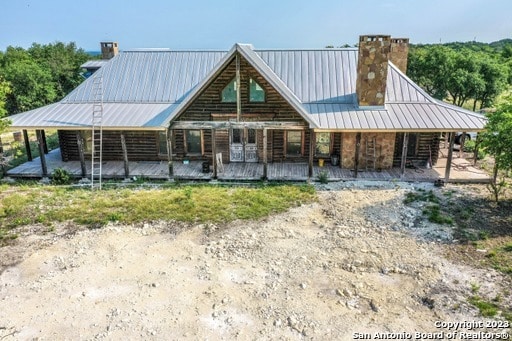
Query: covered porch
point(277, 171)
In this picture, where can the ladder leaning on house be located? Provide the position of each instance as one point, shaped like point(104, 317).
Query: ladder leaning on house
point(370, 156)
point(97, 132)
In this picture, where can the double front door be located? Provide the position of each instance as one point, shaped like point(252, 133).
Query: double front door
point(242, 145)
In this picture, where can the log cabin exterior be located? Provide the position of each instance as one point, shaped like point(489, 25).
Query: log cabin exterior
point(354, 108)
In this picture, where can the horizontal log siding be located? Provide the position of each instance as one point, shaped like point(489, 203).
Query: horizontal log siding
point(208, 105)
point(209, 102)
point(423, 141)
point(140, 145)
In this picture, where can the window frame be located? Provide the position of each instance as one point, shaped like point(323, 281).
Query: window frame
point(201, 142)
point(302, 138)
point(251, 79)
point(233, 80)
point(330, 144)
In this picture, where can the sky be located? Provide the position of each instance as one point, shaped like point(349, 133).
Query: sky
point(218, 24)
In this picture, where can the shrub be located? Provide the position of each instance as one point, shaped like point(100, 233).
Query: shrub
point(61, 176)
point(323, 177)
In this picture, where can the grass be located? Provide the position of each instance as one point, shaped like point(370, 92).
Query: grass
point(49, 204)
point(487, 309)
point(433, 209)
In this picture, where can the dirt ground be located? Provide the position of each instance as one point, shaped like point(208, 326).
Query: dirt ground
point(347, 264)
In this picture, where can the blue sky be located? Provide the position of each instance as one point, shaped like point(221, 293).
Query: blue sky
point(218, 24)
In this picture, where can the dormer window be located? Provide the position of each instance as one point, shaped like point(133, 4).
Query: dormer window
point(256, 92)
point(229, 92)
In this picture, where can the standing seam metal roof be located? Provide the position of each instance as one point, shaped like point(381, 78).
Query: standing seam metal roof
point(149, 88)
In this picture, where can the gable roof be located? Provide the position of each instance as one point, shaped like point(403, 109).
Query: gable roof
point(147, 89)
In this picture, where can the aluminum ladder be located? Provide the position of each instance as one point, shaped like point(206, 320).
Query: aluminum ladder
point(97, 132)
point(370, 155)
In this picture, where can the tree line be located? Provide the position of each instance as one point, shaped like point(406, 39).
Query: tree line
point(466, 74)
point(37, 76)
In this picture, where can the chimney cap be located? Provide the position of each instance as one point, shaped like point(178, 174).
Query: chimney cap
point(374, 37)
point(400, 40)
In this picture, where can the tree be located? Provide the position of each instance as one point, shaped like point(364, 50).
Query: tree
point(63, 62)
point(31, 84)
point(5, 90)
point(497, 141)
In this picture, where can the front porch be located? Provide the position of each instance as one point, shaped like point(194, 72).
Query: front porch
point(193, 170)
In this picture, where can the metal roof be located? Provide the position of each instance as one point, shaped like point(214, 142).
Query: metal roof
point(146, 89)
point(94, 64)
point(79, 116)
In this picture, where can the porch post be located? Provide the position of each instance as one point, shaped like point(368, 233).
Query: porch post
point(238, 94)
point(403, 161)
point(169, 152)
point(27, 145)
point(125, 156)
point(265, 170)
point(475, 152)
point(356, 157)
point(311, 152)
point(81, 153)
point(461, 146)
point(214, 154)
point(45, 145)
point(341, 151)
point(42, 157)
point(449, 160)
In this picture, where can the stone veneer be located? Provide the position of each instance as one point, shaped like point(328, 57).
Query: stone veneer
point(399, 53)
point(385, 148)
point(372, 69)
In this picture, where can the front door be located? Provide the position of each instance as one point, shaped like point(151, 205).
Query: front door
point(242, 145)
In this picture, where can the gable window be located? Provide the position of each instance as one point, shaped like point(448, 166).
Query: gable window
point(229, 92)
point(323, 144)
point(193, 142)
point(256, 92)
point(294, 142)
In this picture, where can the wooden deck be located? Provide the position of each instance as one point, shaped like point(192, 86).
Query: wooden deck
point(243, 171)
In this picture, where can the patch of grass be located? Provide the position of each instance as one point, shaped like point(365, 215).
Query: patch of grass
point(323, 177)
point(508, 247)
point(487, 309)
point(434, 214)
point(421, 195)
point(183, 203)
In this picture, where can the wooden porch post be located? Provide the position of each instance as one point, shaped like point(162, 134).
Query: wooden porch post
point(449, 160)
point(214, 154)
point(265, 170)
point(27, 145)
point(238, 94)
point(169, 152)
point(125, 156)
point(403, 161)
point(45, 145)
point(356, 157)
point(42, 157)
point(311, 152)
point(81, 153)
point(341, 150)
point(475, 152)
point(461, 145)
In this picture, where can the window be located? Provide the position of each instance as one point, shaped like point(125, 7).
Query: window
point(162, 143)
point(323, 144)
point(256, 92)
point(229, 92)
point(193, 141)
point(293, 143)
point(87, 138)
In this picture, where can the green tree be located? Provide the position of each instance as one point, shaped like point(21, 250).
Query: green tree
point(63, 62)
point(31, 83)
point(497, 141)
point(494, 75)
point(5, 90)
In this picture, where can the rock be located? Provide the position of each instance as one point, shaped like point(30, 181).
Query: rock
point(303, 285)
point(374, 306)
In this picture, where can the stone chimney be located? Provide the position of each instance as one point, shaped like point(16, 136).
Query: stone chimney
point(399, 53)
point(109, 50)
point(372, 69)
